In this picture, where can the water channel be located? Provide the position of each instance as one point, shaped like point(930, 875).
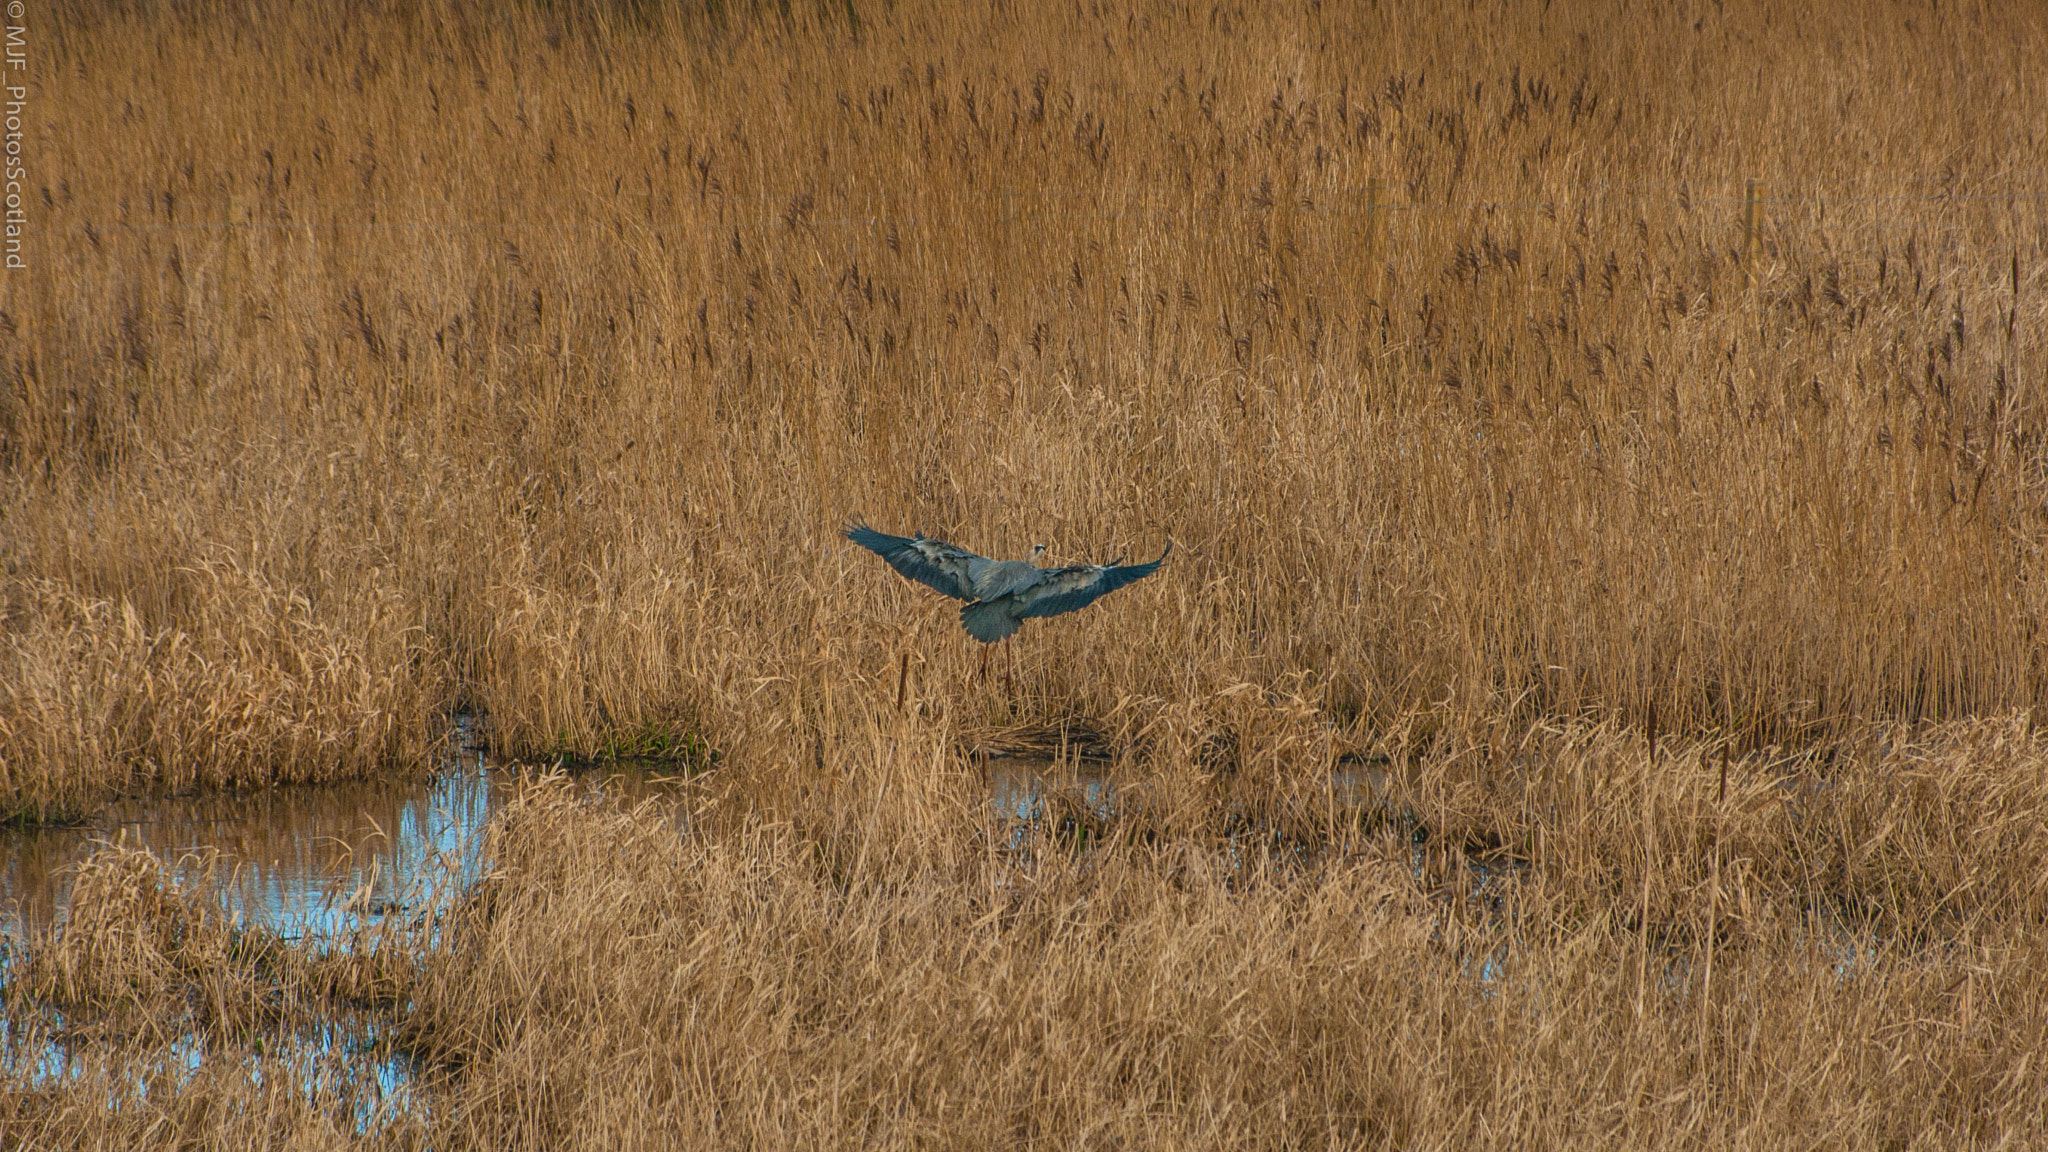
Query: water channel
point(305, 862)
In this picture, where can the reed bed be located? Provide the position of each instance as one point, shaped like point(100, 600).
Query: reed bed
point(538, 360)
point(1846, 957)
point(1669, 547)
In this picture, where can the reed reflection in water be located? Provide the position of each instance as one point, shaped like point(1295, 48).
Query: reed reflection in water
point(301, 861)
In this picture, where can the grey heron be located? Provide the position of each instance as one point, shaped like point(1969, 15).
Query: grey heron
point(1000, 594)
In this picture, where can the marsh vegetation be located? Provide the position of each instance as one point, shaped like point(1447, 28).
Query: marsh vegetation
point(1667, 556)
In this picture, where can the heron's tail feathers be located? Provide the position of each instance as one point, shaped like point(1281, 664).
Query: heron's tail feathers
point(987, 622)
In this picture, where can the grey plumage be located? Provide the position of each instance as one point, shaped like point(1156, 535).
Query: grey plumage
point(1001, 594)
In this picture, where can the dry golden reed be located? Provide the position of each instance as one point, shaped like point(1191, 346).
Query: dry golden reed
point(247, 688)
point(569, 338)
point(383, 362)
point(890, 971)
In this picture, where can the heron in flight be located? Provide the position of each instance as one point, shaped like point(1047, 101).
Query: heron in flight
point(1000, 594)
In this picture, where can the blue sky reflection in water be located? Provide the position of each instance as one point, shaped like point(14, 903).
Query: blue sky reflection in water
point(308, 862)
point(312, 863)
point(337, 1062)
point(303, 862)
point(1018, 787)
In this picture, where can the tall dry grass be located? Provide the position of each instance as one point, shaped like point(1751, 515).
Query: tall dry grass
point(249, 686)
point(1637, 962)
point(379, 363)
point(898, 986)
point(540, 356)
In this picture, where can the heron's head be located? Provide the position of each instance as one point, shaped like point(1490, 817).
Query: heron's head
point(1038, 555)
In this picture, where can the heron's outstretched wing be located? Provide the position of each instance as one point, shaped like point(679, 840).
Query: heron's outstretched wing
point(1066, 589)
point(935, 564)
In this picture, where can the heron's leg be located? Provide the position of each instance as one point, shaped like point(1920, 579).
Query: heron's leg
point(984, 664)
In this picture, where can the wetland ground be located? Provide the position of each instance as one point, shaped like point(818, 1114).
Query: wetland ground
point(1591, 702)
